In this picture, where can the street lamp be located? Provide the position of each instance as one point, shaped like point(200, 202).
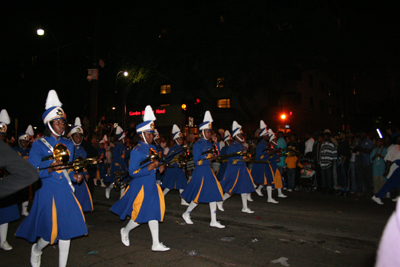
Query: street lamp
point(123, 94)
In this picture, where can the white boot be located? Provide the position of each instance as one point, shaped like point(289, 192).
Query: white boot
point(125, 232)
point(157, 246)
point(165, 191)
point(249, 197)
point(122, 192)
point(280, 194)
point(63, 246)
point(245, 209)
point(24, 211)
point(102, 183)
point(108, 190)
point(220, 205)
point(186, 214)
point(95, 182)
point(36, 252)
point(3, 237)
point(213, 212)
point(269, 194)
point(35, 257)
point(258, 190)
point(183, 202)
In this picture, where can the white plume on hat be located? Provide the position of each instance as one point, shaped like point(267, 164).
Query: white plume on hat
point(262, 124)
point(206, 124)
point(29, 130)
point(207, 117)
point(4, 118)
point(78, 122)
point(52, 100)
point(118, 130)
point(176, 132)
point(270, 132)
point(148, 114)
point(227, 136)
point(263, 128)
point(236, 128)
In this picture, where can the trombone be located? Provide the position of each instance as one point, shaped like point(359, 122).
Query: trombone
point(78, 164)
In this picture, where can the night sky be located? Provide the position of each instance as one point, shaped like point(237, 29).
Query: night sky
point(356, 39)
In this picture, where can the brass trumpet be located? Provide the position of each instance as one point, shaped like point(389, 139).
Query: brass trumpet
point(60, 153)
point(78, 164)
point(246, 155)
point(119, 182)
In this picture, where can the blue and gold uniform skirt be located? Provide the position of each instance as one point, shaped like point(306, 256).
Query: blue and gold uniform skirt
point(8, 209)
point(83, 195)
point(174, 178)
point(203, 187)
point(221, 171)
point(55, 214)
point(143, 201)
point(237, 179)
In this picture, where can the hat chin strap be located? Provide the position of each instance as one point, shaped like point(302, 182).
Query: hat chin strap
point(72, 139)
point(202, 132)
point(54, 132)
point(144, 138)
point(240, 139)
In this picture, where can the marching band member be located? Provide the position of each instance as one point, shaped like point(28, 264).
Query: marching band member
point(143, 201)
point(237, 178)
point(118, 165)
point(160, 151)
point(262, 173)
point(174, 177)
point(101, 154)
point(56, 215)
point(82, 192)
point(8, 208)
point(228, 140)
point(274, 158)
point(204, 186)
point(23, 151)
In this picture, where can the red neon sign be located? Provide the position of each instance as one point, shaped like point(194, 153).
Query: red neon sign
point(137, 113)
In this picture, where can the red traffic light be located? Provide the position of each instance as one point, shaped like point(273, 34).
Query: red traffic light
point(197, 101)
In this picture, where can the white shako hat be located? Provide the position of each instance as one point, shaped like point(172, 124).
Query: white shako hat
point(263, 128)
point(26, 136)
point(176, 132)
point(119, 133)
point(207, 122)
point(236, 129)
point(148, 121)
point(270, 133)
point(227, 136)
point(77, 128)
point(104, 140)
point(53, 108)
point(4, 121)
point(156, 135)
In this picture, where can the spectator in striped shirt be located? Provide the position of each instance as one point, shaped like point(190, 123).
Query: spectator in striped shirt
point(328, 155)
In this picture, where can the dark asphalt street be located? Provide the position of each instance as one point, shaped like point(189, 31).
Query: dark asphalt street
point(309, 229)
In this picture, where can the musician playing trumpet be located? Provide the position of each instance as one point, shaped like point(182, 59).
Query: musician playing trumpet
point(143, 200)
point(175, 177)
point(56, 215)
point(237, 178)
point(204, 186)
point(262, 173)
point(82, 192)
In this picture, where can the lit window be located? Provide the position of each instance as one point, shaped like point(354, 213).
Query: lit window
point(220, 82)
point(224, 103)
point(165, 89)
